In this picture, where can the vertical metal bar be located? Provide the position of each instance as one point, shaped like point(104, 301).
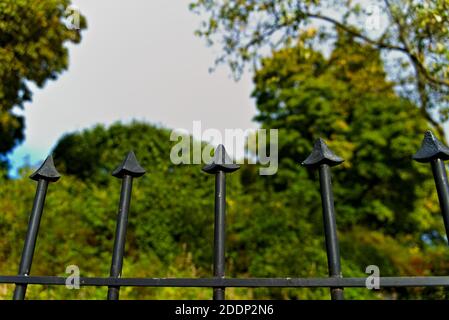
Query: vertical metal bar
point(220, 165)
point(129, 169)
point(435, 152)
point(219, 232)
point(442, 186)
point(330, 229)
point(31, 236)
point(322, 157)
point(120, 234)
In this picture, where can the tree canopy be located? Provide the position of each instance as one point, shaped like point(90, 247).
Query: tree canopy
point(33, 38)
point(383, 198)
point(413, 35)
point(346, 99)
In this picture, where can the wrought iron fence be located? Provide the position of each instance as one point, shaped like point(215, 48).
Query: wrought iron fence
point(322, 159)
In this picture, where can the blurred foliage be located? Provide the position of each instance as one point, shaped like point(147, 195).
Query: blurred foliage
point(386, 205)
point(33, 38)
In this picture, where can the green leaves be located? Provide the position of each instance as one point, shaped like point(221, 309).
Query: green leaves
point(33, 49)
point(382, 197)
point(414, 31)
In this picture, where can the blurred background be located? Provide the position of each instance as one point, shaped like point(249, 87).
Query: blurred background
point(90, 80)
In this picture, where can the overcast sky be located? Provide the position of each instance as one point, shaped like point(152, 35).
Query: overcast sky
point(138, 59)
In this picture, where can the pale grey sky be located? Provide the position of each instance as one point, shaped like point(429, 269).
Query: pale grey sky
point(139, 59)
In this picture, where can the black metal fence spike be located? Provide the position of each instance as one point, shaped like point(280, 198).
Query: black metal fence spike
point(44, 175)
point(321, 154)
point(127, 171)
point(323, 158)
point(220, 165)
point(221, 162)
point(431, 148)
point(47, 171)
point(433, 151)
point(130, 166)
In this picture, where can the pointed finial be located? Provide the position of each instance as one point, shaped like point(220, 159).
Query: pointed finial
point(46, 171)
point(220, 162)
point(321, 154)
point(431, 148)
point(130, 166)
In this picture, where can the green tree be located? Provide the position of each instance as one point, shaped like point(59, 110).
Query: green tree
point(386, 204)
point(413, 35)
point(33, 39)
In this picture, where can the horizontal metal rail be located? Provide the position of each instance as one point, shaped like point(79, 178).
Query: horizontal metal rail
point(441, 281)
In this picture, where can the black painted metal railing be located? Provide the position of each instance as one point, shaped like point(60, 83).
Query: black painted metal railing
point(321, 158)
